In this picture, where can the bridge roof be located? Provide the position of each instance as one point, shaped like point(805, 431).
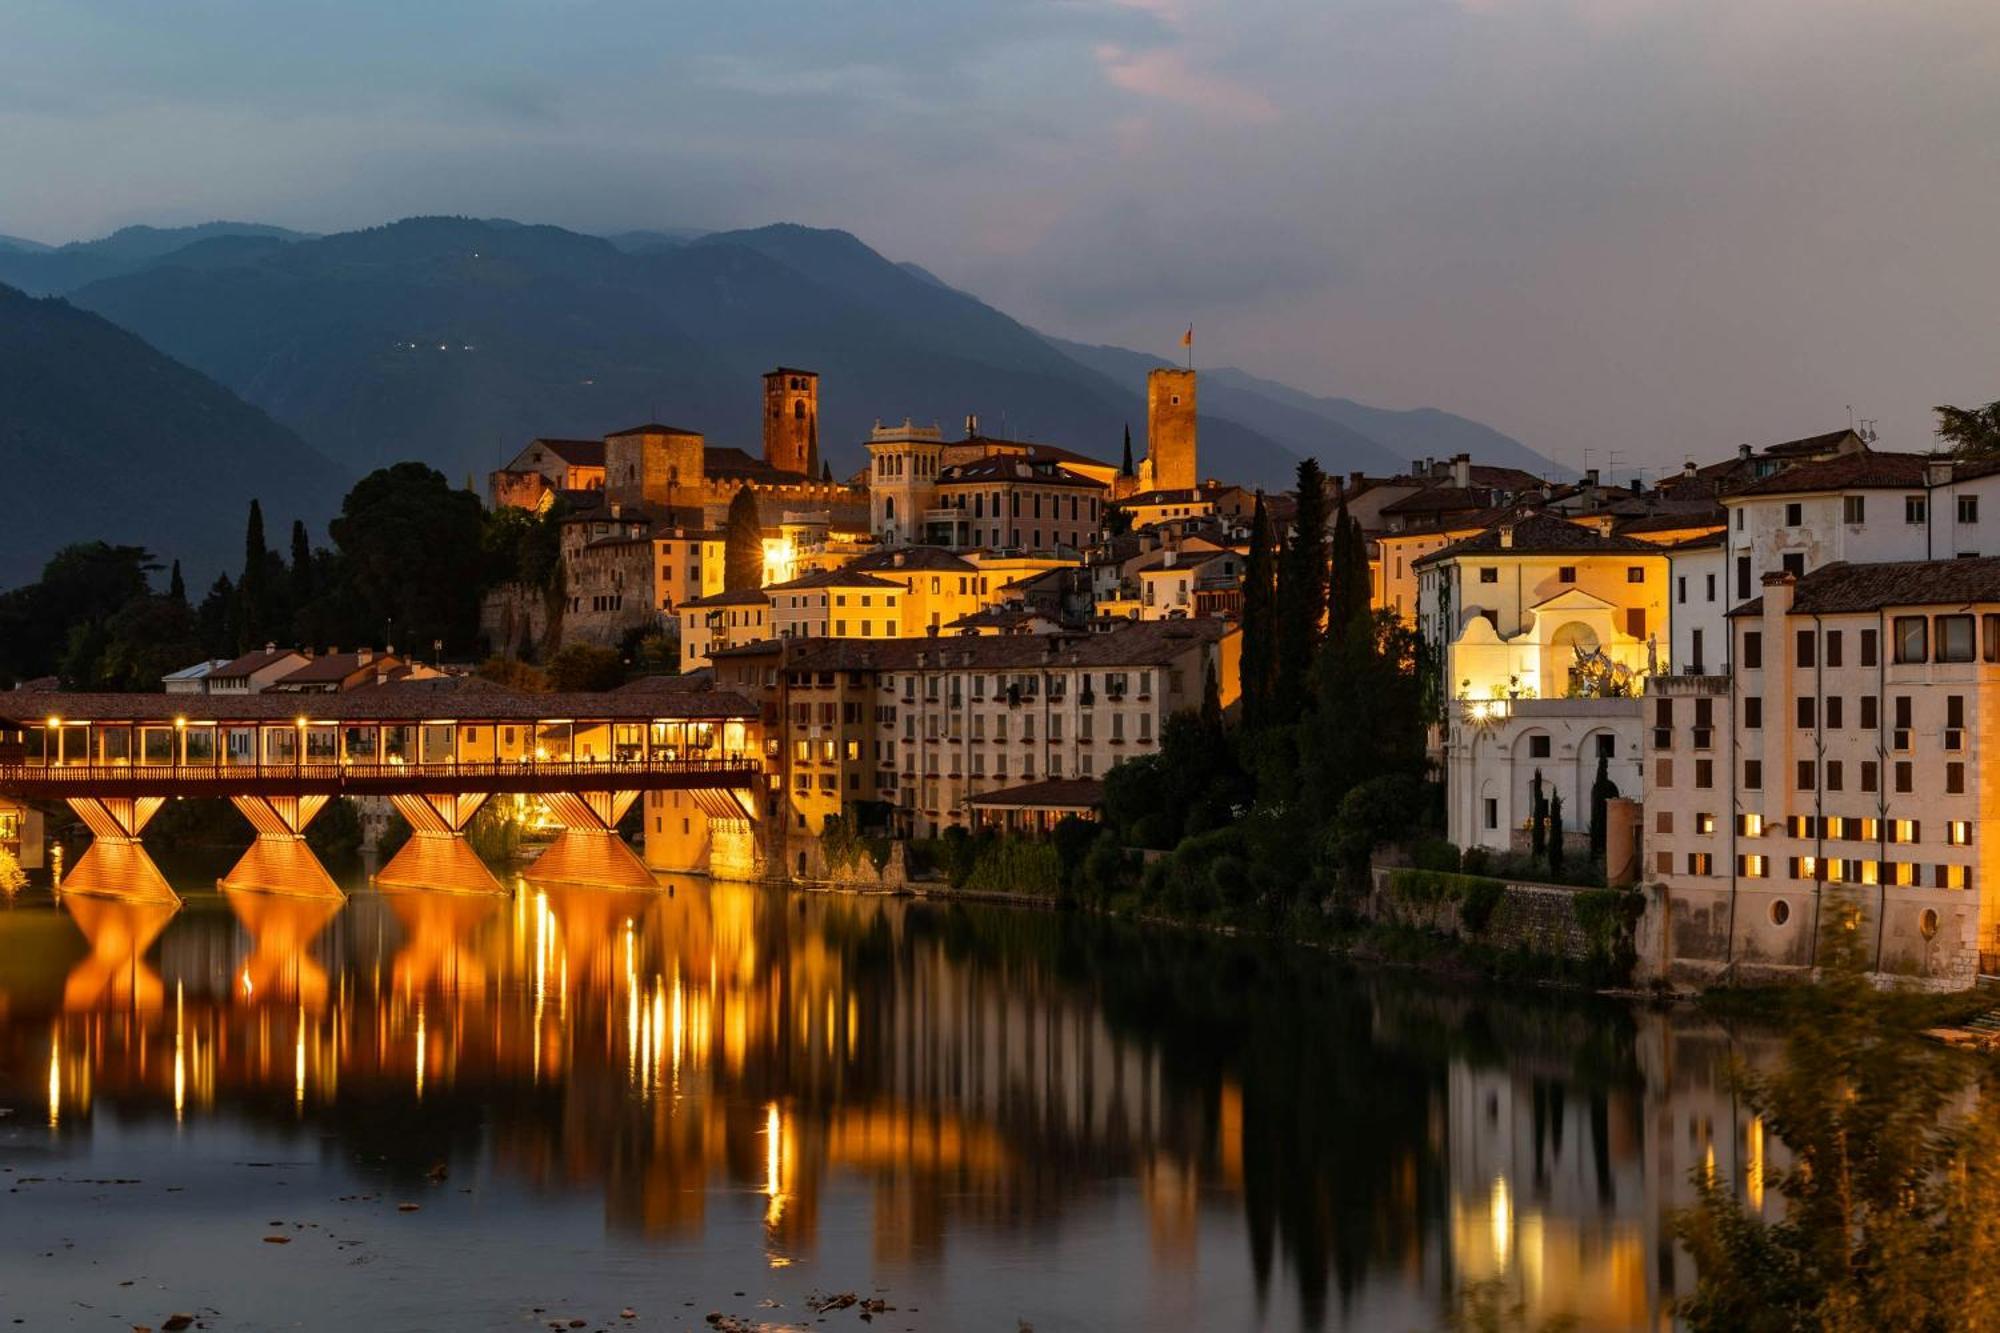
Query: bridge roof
point(448, 699)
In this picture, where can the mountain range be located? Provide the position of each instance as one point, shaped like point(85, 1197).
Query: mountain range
point(455, 340)
point(103, 436)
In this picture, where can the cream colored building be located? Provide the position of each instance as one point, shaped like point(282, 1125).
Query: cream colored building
point(938, 585)
point(836, 604)
point(720, 620)
point(1513, 608)
point(1835, 771)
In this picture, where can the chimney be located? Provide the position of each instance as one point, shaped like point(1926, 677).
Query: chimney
point(270, 647)
point(1635, 486)
point(1688, 469)
point(971, 425)
point(1938, 472)
point(1743, 452)
point(1506, 536)
point(1461, 471)
point(364, 656)
point(1590, 477)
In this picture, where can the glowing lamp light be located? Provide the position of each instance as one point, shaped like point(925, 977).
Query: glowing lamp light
point(54, 721)
point(180, 723)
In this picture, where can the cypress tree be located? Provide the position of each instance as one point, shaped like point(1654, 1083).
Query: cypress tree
point(1211, 707)
point(1538, 828)
point(1602, 793)
point(1349, 590)
point(1556, 836)
point(743, 546)
point(177, 588)
point(1125, 469)
point(1301, 597)
point(253, 590)
point(1258, 648)
point(826, 471)
point(302, 567)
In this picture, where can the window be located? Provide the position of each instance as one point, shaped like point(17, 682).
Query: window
point(1704, 773)
point(1635, 622)
point(1753, 774)
point(1868, 647)
point(1538, 747)
point(1968, 509)
point(1753, 650)
point(1711, 587)
point(1807, 655)
point(1753, 866)
point(1915, 510)
point(1795, 514)
point(1989, 635)
point(1607, 746)
point(1854, 508)
point(1663, 773)
point(1955, 639)
point(1664, 822)
point(1681, 589)
point(1795, 564)
point(1753, 712)
point(1834, 775)
point(1742, 569)
point(1750, 825)
point(1870, 775)
point(1958, 832)
point(1868, 712)
point(1903, 776)
point(1701, 863)
point(1833, 647)
point(1912, 639)
point(1489, 574)
point(1566, 574)
point(1807, 775)
point(1833, 711)
point(1704, 823)
point(1492, 813)
point(1954, 779)
point(1807, 708)
point(1635, 573)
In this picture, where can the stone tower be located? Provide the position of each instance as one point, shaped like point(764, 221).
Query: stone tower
point(1170, 452)
point(791, 420)
point(655, 465)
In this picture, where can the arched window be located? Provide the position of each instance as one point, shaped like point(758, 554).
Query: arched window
point(799, 410)
point(889, 508)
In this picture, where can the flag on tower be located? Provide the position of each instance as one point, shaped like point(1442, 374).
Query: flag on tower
point(1187, 339)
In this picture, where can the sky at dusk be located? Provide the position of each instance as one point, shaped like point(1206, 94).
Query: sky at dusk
point(1653, 226)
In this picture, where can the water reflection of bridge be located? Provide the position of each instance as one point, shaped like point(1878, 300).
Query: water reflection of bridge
point(646, 1046)
point(436, 750)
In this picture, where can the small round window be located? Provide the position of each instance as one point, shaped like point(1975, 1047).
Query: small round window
point(1781, 912)
point(1928, 923)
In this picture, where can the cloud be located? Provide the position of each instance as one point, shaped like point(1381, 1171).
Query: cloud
point(1164, 72)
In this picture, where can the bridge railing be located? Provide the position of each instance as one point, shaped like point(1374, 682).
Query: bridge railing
point(475, 771)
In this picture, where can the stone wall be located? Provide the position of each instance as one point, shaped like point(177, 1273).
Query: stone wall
point(514, 616)
point(1589, 929)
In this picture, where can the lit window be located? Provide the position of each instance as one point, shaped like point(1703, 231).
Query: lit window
point(1958, 833)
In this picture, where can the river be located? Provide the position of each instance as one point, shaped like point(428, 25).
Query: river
point(575, 1103)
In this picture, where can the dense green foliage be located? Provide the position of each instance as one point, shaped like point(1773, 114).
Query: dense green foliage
point(1891, 1216)
point(93, 619)
point(1971, 432)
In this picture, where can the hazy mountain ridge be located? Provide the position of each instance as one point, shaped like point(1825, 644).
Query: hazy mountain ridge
point(104, 436)
point(44, 270)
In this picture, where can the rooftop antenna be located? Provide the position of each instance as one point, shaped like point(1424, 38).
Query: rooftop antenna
point(1867, 430)
point(1611, 457)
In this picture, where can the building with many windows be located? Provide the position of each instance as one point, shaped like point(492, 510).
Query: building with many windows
point(836, 604)
point(1834, 775)
point(902, 733)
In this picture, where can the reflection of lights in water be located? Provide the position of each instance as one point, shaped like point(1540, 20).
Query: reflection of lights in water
point(299, 1064)
point(420, 1050)
point(245, 980)
point(853, 1017)
point(180, 1057)
point(774, 1163)
point(1503, 1221)
point(1708, 1164)
point(55, 1078)
point(632, 1044)
point(1756, 1173)
point(679, 1024)
point(657, 1055)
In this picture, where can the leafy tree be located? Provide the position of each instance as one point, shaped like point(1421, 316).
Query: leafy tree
point(81, 585)
point(1602, 792)
point(1892, 1195)
point(586, 667)
point(215, 619)
point(146, 639)
point(1972, 432)
point(1301, 595)
point(514, 674)
point(1259, 659)
point(743, 546)
point(410, 553)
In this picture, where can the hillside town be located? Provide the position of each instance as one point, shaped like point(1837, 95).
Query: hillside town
point(1760, 675)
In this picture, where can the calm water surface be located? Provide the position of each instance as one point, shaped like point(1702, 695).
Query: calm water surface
point(494, 1113)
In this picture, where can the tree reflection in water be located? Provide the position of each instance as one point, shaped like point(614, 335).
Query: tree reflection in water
point(1371, 1142)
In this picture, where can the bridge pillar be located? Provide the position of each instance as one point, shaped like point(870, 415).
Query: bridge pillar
point(115, 865)
point(279, 860)
point(589, 850)
point(437, 856)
